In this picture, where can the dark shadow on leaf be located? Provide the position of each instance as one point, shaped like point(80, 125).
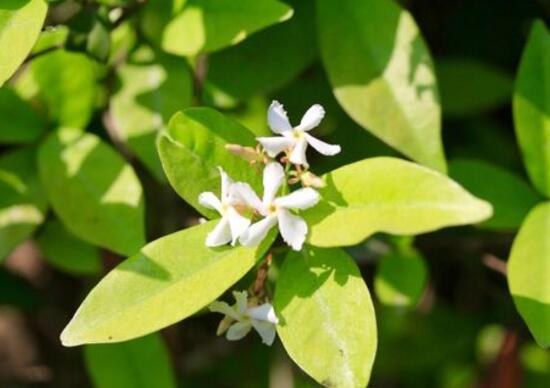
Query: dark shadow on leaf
point(537, 316)
point(331, 199)
point(144, 265)
point(13, 4)
point(87, 178)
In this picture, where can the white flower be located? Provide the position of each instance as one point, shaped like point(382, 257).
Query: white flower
point(262, 318)
point(232, 224)
point(276, 210)
point(295, 139)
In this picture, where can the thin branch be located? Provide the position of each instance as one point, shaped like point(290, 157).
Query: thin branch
point(496, 264)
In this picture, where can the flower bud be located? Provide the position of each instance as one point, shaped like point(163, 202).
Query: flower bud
point(309, 179)
point(247, 153)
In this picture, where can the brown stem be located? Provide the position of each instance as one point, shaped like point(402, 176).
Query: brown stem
point(258, 288)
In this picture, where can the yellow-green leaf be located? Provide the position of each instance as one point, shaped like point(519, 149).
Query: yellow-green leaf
point(529, 271)
point(388, 195)
point(20, 24)
point(382, 74)
point(209, 25)
point(326, 318)
point(194, 146)
point(153, 86)
point(531, 105)
point(64, 85)
point(93, 190)
point(168, 280)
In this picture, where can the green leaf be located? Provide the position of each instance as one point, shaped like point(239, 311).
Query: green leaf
point(168, 280)
point(193, 148)
point(20, 122)
point(143, 362)
point(277, 55)
point(93, 191)
point(67, 253)
point(401, 279)
point(511, 197)
point(22, 201)
point(388, 195)
point(470, 87)
point(532, 107)
point(51, 38)
point(327, 322)
point(20, 24)
point(382, 74)
point(98, 44)
point(64, 85)
point(153, 86)
point(529, 271)
point(209, 25)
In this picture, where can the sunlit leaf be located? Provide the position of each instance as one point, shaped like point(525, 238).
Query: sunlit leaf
point(291, 48)
point(529, 271)
point(20, 24)
point(511, 197)
point(153, 86)
point(388, 195)
point(22, 200)
point(20, 123)
point(209, 25)
point(143, 362)
point(93, 191)
point(382, 74)
point(532, 107)
point(194, 146)
point(64, 251)
point(469, 87)
point(327, 322)
point(64, 85)
point(168, 280)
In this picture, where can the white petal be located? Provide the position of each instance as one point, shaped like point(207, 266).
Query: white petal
point(322, 147)
point(274, 176)
point(298, 155)
point(243, 194)
point(238, 330)
point(312, 118)
point(266, 330)
point(277, 118)
point(225, 309)
point(221, 234)
point(254, 235)
point(292, 228)
point(237, 223)
point(241, 297)
point(226, 183)
point(275, 145)
point(299, 199)
point(210, 201)
point(264, 312)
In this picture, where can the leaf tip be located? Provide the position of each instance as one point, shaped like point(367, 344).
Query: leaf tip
point(68, 339)
point(287, 15)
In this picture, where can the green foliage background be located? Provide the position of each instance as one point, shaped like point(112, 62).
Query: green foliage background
point(114, 115)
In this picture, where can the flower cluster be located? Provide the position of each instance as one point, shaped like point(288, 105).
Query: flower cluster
point(237, 198)
point(247, 218)
point(243, 316)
